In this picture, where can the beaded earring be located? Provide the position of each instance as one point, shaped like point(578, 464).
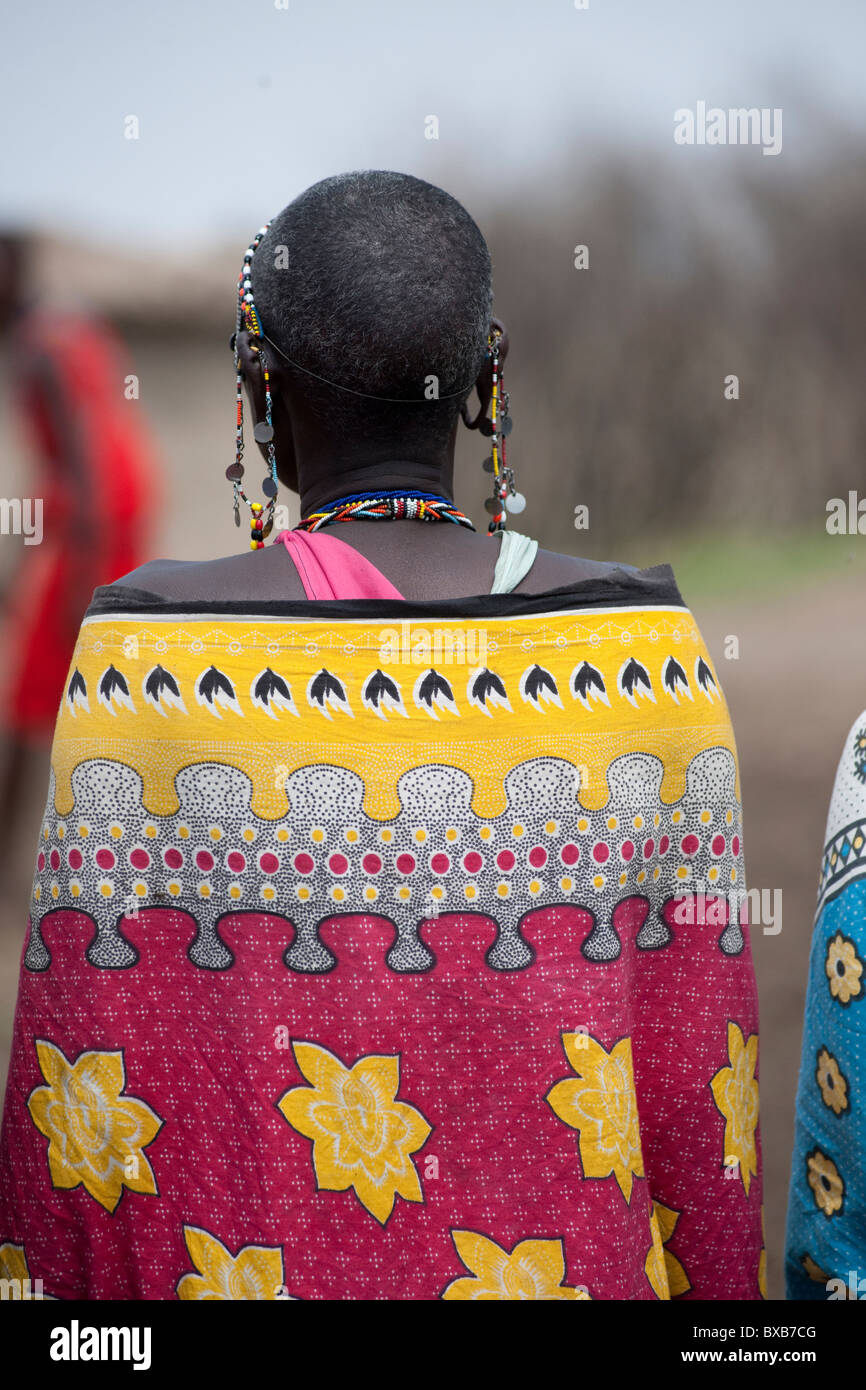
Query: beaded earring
point(261, 514)
point(505, 497)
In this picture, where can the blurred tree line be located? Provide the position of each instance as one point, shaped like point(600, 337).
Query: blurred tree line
point(617, 372)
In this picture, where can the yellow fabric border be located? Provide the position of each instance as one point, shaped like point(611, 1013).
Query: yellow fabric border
point(483, 741)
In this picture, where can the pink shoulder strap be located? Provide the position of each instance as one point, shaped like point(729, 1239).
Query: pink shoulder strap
point(329, 568)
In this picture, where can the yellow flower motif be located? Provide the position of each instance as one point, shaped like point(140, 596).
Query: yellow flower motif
point(815, 1272)
point(820, 1276)
point(825, 1180)
point(13, 1264)
point(362, 1135)
point(96, 1134)
point(832, 1082)
point(601, 1104)
point(13, 1267)
point(844, 969)
point(735, 1091)
point(664, 1271)
point(255, 1272)
point(535, 1269)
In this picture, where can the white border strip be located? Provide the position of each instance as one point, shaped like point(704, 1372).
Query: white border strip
point(391, 621)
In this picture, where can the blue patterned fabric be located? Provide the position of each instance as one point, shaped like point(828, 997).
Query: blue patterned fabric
point(826, 1239)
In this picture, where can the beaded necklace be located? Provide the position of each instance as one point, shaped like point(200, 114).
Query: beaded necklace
point(392, 504)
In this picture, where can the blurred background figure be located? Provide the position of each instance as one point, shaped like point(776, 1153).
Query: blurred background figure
point(91, 483)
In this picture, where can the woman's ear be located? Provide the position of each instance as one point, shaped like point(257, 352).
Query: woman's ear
point(249, 362)
point(249, 352)
point(503, 338)
point(484, 384)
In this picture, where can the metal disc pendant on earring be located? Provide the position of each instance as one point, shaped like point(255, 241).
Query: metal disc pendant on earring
point(235, 472)
point(263, 432)
point(486, 427)
point(506, 424)
point(269, 487)
point(237, 515)
point(515, 503)
point(488, 465)
point(493, 505)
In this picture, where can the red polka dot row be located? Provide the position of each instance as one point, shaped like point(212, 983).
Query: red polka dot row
point(439, 863)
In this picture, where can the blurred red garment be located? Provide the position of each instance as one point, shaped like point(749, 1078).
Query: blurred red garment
point(97, 475)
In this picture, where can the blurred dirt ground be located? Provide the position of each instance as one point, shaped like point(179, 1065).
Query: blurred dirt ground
point(795, 691)
point(798, 685)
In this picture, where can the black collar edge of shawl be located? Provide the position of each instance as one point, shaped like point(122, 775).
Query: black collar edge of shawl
point(655, 586)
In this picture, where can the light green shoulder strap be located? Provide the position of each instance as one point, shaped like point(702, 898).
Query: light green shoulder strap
point(516, 557)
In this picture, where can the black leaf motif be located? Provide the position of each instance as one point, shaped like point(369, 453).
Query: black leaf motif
point(485, 684)
point(212, 682)
point(77, 686)
point(324, 686)
point(378, 686)
point(633, 675)
point(112, 681)
point(586, 679)
point(674, 673)
point(704, 676)
point(159, 680)
point(432, 685)
point(269, 684)
point(538, 681)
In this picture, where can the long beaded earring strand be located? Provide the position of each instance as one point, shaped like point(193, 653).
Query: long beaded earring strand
point(261, 514)
point(505, 496)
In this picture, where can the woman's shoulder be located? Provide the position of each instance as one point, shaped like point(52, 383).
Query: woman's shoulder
point(848, 802)
point(262, 574)
point(553, 570)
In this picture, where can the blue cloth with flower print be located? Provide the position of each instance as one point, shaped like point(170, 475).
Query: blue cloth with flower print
point(826, 1238)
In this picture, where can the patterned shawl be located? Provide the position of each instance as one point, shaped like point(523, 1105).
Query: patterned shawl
point(385, 950)
point(826, 1244)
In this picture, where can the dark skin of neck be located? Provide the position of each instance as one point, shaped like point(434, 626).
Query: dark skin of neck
point(421, 559)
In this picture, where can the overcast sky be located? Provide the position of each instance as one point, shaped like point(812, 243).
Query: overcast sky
point(242, 104)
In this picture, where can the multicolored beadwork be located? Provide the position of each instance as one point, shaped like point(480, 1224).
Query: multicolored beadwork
point(261, 514)
point(505, 496)
point(393, 504)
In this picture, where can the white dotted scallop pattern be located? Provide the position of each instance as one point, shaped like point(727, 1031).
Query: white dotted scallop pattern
point(325, 857)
